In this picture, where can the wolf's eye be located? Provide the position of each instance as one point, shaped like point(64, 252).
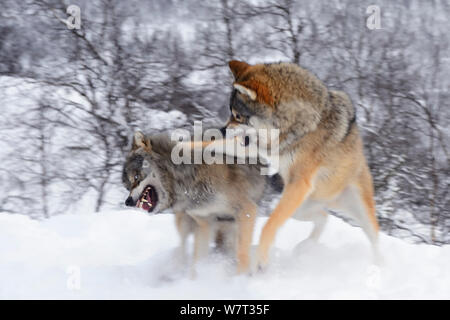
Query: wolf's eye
point(136, 177)
point(238, 117)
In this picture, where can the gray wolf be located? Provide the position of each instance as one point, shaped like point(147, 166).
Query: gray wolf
point(205, 193)
point(321, 158)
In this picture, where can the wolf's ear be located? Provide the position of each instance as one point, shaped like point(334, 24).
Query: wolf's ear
point(255, 90)
point(244, 90)
point(238, 67)
point(141, 141)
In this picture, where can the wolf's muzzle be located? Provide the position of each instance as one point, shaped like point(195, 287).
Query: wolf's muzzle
point(130, 202)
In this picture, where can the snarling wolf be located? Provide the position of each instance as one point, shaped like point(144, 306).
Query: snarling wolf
point(321, 156)
point(207, 194)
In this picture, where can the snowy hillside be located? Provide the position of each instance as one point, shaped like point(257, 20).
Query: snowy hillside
point(128, 254)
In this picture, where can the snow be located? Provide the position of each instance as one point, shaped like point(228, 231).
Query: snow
point(127, 254)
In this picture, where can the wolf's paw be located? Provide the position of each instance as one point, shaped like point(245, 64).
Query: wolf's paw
point(243, 264)
point(260, 268)
point(243, 271)
point(305, 245)
point(378, 259)
point(262, 261)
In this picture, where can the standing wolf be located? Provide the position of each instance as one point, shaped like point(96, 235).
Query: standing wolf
point(321, 156)
point(206, 193)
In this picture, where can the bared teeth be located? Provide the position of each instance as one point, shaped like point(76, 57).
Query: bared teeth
point(143, 198)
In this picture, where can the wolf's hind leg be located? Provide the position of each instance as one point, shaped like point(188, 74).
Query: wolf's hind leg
point(356, 203)
point(320, 220)
point(313, 211)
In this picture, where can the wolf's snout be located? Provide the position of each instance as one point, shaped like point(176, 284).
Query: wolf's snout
point(129, 202)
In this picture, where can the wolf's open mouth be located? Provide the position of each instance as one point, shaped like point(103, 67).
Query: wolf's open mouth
point(148, 199)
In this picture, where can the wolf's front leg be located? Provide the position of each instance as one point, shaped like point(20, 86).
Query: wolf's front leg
point(246, 219)
point(185, 226)
point(201, 243)
point(293, 195)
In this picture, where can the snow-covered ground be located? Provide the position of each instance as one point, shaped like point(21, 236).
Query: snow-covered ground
point(128, 254)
